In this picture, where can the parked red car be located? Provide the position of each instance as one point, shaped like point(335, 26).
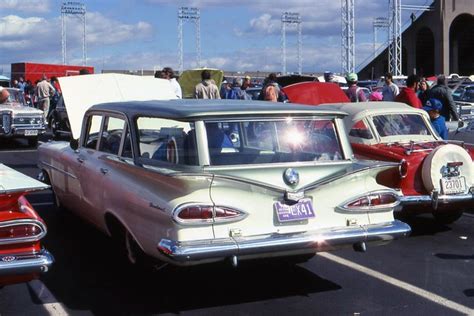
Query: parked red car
point(22, 257)
point(435, 176)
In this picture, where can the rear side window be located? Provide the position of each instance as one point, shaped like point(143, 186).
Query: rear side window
point(112, 135)
point(165, 140)
point(361, 130)
point(94, 123)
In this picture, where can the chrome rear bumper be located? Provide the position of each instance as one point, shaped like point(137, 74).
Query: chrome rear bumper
point(434, 200)
point(281, 244)
point(25, 263)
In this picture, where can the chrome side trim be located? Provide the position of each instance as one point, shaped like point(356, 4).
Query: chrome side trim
point(25, 263)
point(57, 169)
point(281, 244)
point(18, 222)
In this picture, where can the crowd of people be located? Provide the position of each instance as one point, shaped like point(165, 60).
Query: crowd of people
point(436, 100)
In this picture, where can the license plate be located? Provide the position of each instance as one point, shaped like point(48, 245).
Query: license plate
point(453, 185)
point(299, 211)
point(31, 132)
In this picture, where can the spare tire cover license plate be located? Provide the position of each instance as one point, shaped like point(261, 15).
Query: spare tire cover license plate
point(454, 185)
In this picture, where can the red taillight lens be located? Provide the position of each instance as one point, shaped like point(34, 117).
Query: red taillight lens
point(196, 212)
point(20, 232)
point(205, 214)
point(373, 200)
point(403, 168)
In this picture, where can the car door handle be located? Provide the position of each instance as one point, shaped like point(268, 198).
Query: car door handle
point(104, 170)
point(81, 160)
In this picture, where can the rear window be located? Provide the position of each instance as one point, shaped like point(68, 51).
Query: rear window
point(272, 141)
point(400, 124)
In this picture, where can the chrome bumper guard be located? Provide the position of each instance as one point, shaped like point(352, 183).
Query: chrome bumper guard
point(305, 242)
point(26, 263)
point(436, 199)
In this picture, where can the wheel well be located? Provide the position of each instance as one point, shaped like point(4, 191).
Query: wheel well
point(114, 227)
point(46, 179)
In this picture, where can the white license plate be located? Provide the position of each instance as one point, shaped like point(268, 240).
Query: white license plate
point(31, 132)
point(453, 185)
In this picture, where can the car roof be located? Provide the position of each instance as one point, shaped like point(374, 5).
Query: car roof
point(357, 110)
point(193, 108)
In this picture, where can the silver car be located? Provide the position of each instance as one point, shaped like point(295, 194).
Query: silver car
point(19, 120)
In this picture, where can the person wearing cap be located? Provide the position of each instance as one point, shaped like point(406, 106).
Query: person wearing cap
point(441, 92)
point(408, 93)
point(329, 76)
point(433, 107)
point(390, 90)
point(353, 92)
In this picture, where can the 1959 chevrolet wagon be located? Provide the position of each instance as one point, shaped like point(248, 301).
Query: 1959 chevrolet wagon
point(196, 181)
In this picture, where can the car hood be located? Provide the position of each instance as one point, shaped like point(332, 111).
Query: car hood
point(17, 108)
point(12, 181)
point(82, 92)
point(310, 176)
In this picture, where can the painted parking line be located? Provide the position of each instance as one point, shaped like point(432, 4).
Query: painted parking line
point(400, 284)
point(49, 302)
point(18, 151)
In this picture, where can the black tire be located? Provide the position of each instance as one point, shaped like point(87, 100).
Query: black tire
point(54, 125)
point(447, 217)
point(33, 142)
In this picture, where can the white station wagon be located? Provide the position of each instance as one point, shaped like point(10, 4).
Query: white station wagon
point(196, 181)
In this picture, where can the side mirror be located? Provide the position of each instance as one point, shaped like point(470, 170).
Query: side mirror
point(74, 144)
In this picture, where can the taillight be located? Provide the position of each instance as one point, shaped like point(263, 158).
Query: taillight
point(18, 231)
point(373, 201)
point(206, 214)
point(403, 168)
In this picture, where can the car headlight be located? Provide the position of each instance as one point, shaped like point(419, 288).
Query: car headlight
point(6, 122)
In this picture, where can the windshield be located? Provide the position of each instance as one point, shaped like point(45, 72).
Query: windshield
point(400, 124)
point(16, 96)
point(272, 141)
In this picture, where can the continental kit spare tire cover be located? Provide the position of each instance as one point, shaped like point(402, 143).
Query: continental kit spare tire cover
point(436, 162)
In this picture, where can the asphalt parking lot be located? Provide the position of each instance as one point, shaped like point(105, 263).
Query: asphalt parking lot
point(427, 273)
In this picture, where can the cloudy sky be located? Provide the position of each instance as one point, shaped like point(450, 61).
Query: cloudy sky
point(242, 35)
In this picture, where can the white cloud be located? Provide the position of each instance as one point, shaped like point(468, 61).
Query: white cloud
point(38, 6)
point(36, 38)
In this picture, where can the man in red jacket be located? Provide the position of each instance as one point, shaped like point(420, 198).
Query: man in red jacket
point(408, 94)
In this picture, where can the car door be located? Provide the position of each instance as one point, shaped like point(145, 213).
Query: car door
point(96, 165)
